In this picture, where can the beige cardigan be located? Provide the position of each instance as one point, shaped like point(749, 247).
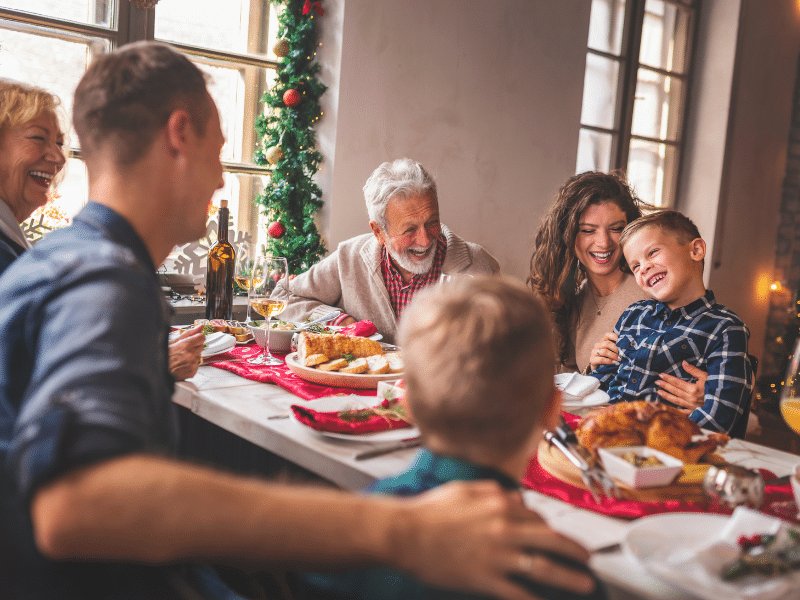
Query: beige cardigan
point(350, 279)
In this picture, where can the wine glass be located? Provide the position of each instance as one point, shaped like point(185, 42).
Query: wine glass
point(790, 392)
point(267, 273)
point(242, 273)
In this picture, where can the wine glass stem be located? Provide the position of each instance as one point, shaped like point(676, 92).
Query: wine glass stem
point(267, 356)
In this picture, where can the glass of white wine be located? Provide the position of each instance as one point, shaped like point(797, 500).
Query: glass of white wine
point(267, 273)
point(790, 392)
point(243, 272)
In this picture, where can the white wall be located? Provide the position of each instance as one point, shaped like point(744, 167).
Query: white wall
point(487, 95)
point(734, 174)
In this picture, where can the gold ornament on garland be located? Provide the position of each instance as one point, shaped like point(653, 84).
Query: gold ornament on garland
point(281, 48)
point(273, 154)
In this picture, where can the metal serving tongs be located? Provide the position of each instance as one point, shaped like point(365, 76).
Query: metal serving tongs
point(594, 476)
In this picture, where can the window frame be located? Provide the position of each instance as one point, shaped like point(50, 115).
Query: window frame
point(628, 63)
point(128, 23)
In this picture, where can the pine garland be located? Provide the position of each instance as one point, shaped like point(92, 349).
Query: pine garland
point(292, 198)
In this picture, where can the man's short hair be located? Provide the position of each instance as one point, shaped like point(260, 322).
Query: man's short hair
point(21, 103)
point(478, 356)
point(401, 178)
point(671, 221)
point(127, 96)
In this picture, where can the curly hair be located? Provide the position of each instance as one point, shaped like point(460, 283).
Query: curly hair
point(556, 274)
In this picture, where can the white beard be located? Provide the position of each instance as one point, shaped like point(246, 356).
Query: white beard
point(411, 265)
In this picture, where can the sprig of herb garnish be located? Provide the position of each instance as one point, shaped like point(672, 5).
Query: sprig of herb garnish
point(208, 329)
point(348, 357)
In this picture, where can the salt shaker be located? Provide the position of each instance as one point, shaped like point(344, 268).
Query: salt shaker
point(734, 486)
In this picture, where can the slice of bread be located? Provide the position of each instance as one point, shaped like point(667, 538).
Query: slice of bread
point(377, 364)
point(332, 365)
point(314, 359)
point(395, 360)
point(243, 337)
point(358, 365)
point(235, 327)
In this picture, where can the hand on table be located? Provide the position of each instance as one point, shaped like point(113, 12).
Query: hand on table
point(184, 353)
point(472, 536)
point(605, 352)
point(685, 395)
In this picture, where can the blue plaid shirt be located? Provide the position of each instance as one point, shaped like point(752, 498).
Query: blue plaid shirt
point(654, 340)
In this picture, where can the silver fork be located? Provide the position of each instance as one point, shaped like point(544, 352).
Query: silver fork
point(594, 476)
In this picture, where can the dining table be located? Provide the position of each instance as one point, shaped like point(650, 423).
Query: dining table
point(259, 412)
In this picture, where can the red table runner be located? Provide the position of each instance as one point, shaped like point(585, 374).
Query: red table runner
point(280, 375)
point(778, 499)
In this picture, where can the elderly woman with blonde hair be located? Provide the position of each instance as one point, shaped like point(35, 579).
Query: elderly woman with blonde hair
point(31, 156)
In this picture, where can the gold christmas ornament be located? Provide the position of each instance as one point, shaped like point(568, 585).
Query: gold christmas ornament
point(281, 48)
point(273, 154)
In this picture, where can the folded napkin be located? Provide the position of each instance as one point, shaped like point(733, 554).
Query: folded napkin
point(333, 421)
point(575, 386)
point(363, 328)
point(700, 567)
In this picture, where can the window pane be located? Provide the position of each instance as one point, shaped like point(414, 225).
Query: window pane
point(656, 106)
point(605, 25)
point(94, 12)
point(652, 168)
point(665, 35)
point(599, 91)
point(53, 64)
point(238, 105)
point(234, 25)
point(594, 151)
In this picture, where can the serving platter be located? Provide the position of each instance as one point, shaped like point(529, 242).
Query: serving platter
point(359, 381)
point(687, 487)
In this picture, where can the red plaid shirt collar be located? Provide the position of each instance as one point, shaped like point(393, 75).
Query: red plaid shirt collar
point(400, 294)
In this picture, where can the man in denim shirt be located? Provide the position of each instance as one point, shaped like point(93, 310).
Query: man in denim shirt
point(91, 504)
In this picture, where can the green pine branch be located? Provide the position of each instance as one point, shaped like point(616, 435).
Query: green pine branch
point(292, 196)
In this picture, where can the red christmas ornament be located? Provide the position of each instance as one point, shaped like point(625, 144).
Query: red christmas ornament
point(276, 230)
point(317, 6)
point(291, 98)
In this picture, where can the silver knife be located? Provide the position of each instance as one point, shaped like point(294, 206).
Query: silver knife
point(386, 449)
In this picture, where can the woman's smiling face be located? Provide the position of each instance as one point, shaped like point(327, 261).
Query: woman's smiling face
point(31, 156)
point(596, 244)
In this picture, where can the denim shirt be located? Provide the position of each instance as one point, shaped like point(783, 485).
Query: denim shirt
point(84, 377)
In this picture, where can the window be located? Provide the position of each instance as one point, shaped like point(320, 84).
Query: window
point(635, 87)
point(52, 47)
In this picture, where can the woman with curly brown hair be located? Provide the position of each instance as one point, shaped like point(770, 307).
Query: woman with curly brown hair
point(579, 270)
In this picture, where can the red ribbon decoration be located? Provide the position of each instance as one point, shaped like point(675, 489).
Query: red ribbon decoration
point(317, 6)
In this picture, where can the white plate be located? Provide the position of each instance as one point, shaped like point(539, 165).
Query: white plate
point(596, 398)
point(361, 381)
point(338, 403)
point(217, 343)
point(658, 541)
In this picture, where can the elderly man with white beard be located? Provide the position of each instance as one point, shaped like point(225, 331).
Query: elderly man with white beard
point(375, 276)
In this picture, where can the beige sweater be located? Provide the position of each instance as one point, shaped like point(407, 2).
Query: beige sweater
point(350, 279)
point(591, 327)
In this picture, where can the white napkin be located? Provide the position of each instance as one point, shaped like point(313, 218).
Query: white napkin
point(575, 386)
point(699, 568)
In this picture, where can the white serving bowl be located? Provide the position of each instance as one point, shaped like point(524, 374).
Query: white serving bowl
point(280, 340)
point(640, 477)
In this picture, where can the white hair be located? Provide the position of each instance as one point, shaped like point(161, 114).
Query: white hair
point(401, 178)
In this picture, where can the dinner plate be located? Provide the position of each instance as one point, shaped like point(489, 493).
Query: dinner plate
point(331, 403)
point(359, 381)
point(666, 546)
point(596, 398)
point(217, 343)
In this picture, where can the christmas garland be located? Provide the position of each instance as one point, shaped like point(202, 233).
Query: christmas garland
point(292, 199)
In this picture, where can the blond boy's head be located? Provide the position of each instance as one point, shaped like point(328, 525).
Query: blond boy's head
point(478, 356)
point(666, 255)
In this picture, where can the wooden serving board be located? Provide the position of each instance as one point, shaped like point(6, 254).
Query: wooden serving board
point(688, 487)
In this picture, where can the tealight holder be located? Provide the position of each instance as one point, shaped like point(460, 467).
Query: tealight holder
point(732, 486)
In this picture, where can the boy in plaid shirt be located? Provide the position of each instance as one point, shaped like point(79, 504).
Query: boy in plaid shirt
point(682, 322)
